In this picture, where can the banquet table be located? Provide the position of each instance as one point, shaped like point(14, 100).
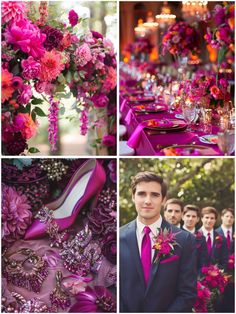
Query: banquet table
point(152, 143)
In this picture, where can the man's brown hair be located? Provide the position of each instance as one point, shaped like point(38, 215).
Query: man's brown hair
point(174, 201)
point(209, 210)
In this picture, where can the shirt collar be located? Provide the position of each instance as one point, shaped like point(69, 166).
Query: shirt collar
point(192, 231)
point(205, 232)
point(153, 227)
point(226, 229)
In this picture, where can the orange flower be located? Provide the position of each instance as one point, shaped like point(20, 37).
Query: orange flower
point(51, 66)
point(24, 123)
point(7, 89)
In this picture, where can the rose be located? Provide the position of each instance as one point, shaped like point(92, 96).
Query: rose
point(109, 247)
point(109, 140)
point(73, 18)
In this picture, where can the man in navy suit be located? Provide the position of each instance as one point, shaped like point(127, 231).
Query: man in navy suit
point(191, 216)
point(216, 244)
point(227, 232)
point(173, 209)
point(169, 285)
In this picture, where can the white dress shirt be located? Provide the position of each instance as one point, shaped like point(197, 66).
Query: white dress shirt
point(225, 230)
point(191, 231)
point(154, 231)
point(205, 233)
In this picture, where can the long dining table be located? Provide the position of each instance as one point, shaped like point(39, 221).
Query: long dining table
point(151, 142)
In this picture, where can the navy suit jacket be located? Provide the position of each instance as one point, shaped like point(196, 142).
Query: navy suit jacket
point(172, 285)
point(219, 253)
point(221, 232)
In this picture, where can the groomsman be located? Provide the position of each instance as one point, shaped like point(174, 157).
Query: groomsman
point(191, 216)
point(226, 229)
point(146, 284)
point(173, 209)
point(216, 244)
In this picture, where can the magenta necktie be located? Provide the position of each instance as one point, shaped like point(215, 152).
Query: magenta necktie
point(228, 239)
point(209, 243)
point(146, 253)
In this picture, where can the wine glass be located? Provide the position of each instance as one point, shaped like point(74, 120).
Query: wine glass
point(226, 142)
point(189, 112)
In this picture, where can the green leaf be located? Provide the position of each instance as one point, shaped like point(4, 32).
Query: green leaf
point(64, 95)
point(69, 77)
point(61, 79)
point(36, 101)
point(33, 150)
point(39, 112)
point(60, 88)
point(33, 115)
point(81, 74)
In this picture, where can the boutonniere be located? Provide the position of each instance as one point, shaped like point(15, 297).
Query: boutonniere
point(218, 241)
point(164, 244)
point(198, 235)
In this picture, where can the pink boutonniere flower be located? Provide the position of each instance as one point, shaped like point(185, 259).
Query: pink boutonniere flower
point(218, 241)
point(165, 243)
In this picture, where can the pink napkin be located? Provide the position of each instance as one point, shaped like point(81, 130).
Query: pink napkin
point(128, 117)
point(136, 136)
point(122, 106)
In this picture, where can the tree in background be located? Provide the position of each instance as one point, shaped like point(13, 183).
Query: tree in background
point(199, 181)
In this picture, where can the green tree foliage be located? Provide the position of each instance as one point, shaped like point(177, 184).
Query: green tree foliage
point(199, 181)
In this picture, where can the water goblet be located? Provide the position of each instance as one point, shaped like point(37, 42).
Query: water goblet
point(226, 142)
point(189, 112)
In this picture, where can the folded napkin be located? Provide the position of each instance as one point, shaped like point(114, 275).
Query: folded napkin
point(136, 136)
point(122, 106)
point(128, 117)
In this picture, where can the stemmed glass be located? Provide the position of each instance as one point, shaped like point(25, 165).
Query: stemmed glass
point(226, 142)
point(189, 112)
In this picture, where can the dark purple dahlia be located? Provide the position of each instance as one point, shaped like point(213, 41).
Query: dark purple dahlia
point(109, 247)
point(53, 39)
point(16, 146)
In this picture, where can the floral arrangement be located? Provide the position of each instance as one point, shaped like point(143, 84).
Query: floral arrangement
point(48, 57)
point(140, 46)
point(164, 245)
point(222, 36)
point(180, 39)
point(203, 298)
point(206, 90)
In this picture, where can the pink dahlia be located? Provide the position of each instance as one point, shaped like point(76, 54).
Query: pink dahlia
point(100, 101)
point(30, 68)
point(26, 36)
point(83, 55)
point(110, 81)
point(25, 94)
point(16, 214)
point(51, 65)
point(13, 11)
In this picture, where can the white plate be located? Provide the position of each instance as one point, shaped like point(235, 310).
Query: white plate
point(208, 139)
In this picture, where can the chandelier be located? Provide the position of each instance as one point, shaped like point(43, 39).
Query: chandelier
point(150, 23)
point(140, 30)
point(194, 10)
point(165, 18)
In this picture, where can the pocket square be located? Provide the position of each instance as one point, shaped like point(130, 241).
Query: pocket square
point(170, 259)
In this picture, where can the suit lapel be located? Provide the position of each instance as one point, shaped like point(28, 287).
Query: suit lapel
point(131, 238)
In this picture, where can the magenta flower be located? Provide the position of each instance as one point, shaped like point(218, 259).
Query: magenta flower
point(84, 122)
point(73, 18)
point(13, 11)
point(94, 300)
point(53, 123)
point(17, 82)
point(109, 140)
point(16, 215)
point(26, 36)
point(100, 101)
point(30, 68)
point(25, 95)
point(53, 39)
point(83, 55)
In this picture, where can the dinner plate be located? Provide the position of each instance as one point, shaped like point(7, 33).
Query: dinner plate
point(165, 125)
point(209, 139)
point(188, 150)
point(141, 99)
point(149, 108)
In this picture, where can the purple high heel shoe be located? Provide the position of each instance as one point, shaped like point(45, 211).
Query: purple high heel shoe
point(86, 182)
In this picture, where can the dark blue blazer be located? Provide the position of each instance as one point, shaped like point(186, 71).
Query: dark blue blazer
point(172, 285)
point(219, 253)
point(221, 232)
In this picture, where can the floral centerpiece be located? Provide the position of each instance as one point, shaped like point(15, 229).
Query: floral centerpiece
point(180, 40)
point(203, 298)
point(47, 57)
point(141, 47)
point(222, 36)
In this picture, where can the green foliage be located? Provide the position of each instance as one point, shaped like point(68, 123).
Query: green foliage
point(199, 181)
point(33, 150)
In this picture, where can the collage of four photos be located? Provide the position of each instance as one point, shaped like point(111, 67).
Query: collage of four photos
point(117, 156)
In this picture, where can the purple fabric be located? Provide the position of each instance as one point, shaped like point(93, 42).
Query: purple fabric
point(170, 259)
point(123, 105)
point(128, 117)
point(146, 253)
point(136, 136)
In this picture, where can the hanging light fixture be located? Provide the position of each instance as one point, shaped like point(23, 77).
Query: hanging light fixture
point(150, 23)
point(165, 19)
point(194, 10)
point(140, 30)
